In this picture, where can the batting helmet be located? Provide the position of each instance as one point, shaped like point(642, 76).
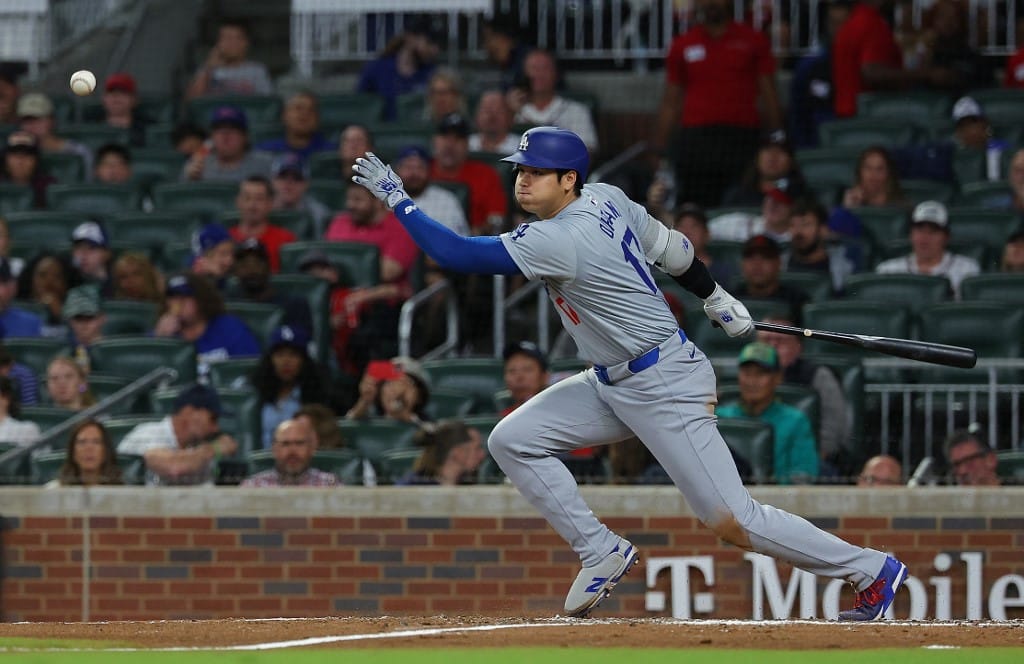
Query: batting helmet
point(552, 147)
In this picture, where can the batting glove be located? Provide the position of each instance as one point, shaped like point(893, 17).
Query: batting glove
point(727, 311)
point(378, 177)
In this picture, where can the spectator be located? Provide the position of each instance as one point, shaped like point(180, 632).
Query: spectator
point(488, 206)
point(185, 446)
point(13, 430)
point(692, 221)
point(761, 265)
point(505, 49)
point(356, 141)
point(8, 95)
point(90, 254)
point(972, 131)
point(46, 280)
point(213, 254)
point(290, 183)
point(972, 461)
point(405, 66)
point(324, 422)
point(255, 201)
point(286, 378)
point(188, 139)
point(929, 236)
point(876, 182)
point(91, 459)
point(22, 165)
point(776, 207)
point(833, 435)
point(809, 250)
point(113, 164)
point(539, 103)
point(35, 111)
point(796, 457)
point(452, 453)
point(252, 273)
point(493, 126)
point(25, 379)
point(194, 311)
point(17, 264)
point(943, 47)
point(84, 316)
point(1014, 197)
point(227, 70)
point(811, 93)
point(372, 312)
point(68, 385)
point(526, 373)
point(396, 389)
point(120, 107)
point(1013, 254)
point(413, 165)
point(302, 135)
point(294, 444)
point(881, 470)
point(136, 278)
point(17, 322)
point(774, 161)
point(229, 156)
point(719, 125)
point(1013, 72)
point(444, 96)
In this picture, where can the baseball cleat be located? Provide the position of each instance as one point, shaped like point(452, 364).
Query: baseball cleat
point(874, 601)
point(595, 583)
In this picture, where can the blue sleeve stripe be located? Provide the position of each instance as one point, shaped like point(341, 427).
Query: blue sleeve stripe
point(481, 255)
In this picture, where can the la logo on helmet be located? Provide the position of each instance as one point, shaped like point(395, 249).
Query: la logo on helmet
point(524, 142)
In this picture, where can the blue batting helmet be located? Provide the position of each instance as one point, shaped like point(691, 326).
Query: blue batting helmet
point(552, 147)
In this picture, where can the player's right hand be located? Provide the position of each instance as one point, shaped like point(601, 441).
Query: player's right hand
point(378, 177)
point(725, 310)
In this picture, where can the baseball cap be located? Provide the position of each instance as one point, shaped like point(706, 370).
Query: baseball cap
point(787, 190)
point(966, 107)
point(314, 258)
point(251, 246)
point(761, 245)
point(776, 138)
point(82, 301)
point(198, 396)
point(289, 335)
point(413, 369)
point(179, 285)
point(930, 212)
point(208, 237)
point(34, 105)
point(91, 232)
point(120, 82)
point(413, 151)
point(5, 269)
point(760, 354)
point(692, 210)
point(22, 141)
point(527, 348)
point(454, 123)
point(229, 116)
point(289, 163)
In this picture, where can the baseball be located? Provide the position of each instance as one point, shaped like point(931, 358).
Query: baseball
point(807, 332)
point(83, 82)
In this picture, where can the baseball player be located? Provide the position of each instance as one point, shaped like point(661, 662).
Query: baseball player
point(593, 246)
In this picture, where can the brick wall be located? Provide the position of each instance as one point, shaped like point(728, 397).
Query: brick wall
point(270, 554)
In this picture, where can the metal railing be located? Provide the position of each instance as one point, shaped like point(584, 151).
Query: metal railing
point(504, 304)
point(407, 315)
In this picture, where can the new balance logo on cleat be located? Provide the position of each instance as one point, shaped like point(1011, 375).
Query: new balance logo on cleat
point(596, 585)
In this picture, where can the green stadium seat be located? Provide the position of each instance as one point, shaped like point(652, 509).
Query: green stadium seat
point(93, 136)
point(136, 356)
point(449, 403)
point(153, 165)
point(999, 287)
point(158, 136)
point(992, 329)
point(865, 132)
point(46, 466)
point(150, 230)
point(325, 166)
point(1003, 106)
point(14, 471)
point(15, 198)
point(828, 167)
point(372, 438)
point(817, 287)
point(985, 195)
point(478, 377)
point(258, 108)
point(882, 224)
point(388, 140)
point(917, 191)
point(396, 464)
point(233, 372)
point(409, 107)
point(914, 291)
point(265, 131)
point(329, 191)
point(93, 198)
point(909, 106)
point(981, 226)
point(262, 319)
point(753, 440)
point(36, 352)
point(66, 167)
point(969, 166)
point(203, 198)
point(296, 221)
point(358, 263)
point(129, 317)
point(316, 292)
point(850, 373)
point(725, 252)
point(41, 229)
point(118, 427)
point(1010, 466)
point(338, 110)
point(880, 318)
point(47, 417)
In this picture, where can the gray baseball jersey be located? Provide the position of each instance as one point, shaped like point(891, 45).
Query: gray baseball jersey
point(590, 258)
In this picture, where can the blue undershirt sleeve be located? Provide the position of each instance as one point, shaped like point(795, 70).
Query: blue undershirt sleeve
point(480, 255)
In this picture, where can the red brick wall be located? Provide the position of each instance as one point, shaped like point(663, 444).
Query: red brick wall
point(174, 567)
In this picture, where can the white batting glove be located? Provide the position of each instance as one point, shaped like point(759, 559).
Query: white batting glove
point(728, 312)
point(378, 177)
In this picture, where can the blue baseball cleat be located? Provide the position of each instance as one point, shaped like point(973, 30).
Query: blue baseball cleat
point(595, 583)
point(873, 601)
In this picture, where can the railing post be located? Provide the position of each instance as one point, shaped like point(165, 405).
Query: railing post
point(499, 314)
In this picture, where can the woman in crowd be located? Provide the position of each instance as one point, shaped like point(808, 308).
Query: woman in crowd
point(13, 430)
point(396, 389)
point(875, 181)
point(68, 385)
point(90, 459)
point(21, 165)
point(46, 279)
point(452, 453)
point(136, 278)
point(774, 161)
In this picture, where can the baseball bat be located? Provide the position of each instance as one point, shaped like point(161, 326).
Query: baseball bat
point(923, 351)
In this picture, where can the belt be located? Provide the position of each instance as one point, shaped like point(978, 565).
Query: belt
point(613, 374)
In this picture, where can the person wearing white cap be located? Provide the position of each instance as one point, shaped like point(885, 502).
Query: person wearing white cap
point(972, 131)
point(929, 236)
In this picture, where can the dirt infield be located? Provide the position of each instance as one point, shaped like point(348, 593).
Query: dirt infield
point(476, 631)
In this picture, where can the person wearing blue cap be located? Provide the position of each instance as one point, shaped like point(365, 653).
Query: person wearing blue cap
point(290, 179)
point(413, 165)
point(213, 253)
point(302, 136)
point(230, 157)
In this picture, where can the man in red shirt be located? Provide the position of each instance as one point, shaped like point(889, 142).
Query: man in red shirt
point(254, 202)
point(488, 206)
point(721, 68)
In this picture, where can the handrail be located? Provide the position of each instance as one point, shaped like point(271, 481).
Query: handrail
point(503, 304)
point(408, 310)
point(130, 390)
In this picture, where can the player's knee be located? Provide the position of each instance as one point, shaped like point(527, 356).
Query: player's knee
point(501, 440)
point(729, 529)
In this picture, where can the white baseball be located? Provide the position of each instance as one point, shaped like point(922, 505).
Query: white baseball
point(83, 82)
point(807, 332)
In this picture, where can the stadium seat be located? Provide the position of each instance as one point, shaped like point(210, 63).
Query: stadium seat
point(409, 107)
point(850, 372)
point(15, 198)
point(828, 167)
point(93, 136)
point(296, 221)
point(35, 352)
point(753, 440)
point(917, 191)
point(265, 131)
point(316, 292)
point(150, 230)
point(46, 466)
point(985, 195)
point(129, 317)
point(119, 427)
point(908, 290)
point(93, 198)
point(371, 438)
point(865, 132)
point(233, 372)
point(396, 464)
point(16, 470)
point(136, 356)
point(258, 108)
point(880, 318)
point(449, 403)
point(804, 399)
point(340, 109)
point(461, 191)
point(203, 198)
point(329, 191)
point(478, 377)
point(261, 318)
point(882, 224)
point(42, 230)
point(66, 167)
point(1002, 106)
point(388, 140)
point(325, 166)
point(158, 136)
point(46, 416)
point(1010, 466)
point(998, 287)
point(969, 166)
point(725, 251)
point(358, 263)
point(992, 329)
point(981, 226)
point(103, 386)
point(909, 106)
point(175, 256)
point(817, 287)
point(153, 165)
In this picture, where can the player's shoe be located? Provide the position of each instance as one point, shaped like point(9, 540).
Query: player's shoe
point(873, 601)
point(595, 583)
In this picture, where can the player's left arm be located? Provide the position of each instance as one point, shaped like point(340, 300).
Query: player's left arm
point(479, 254)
